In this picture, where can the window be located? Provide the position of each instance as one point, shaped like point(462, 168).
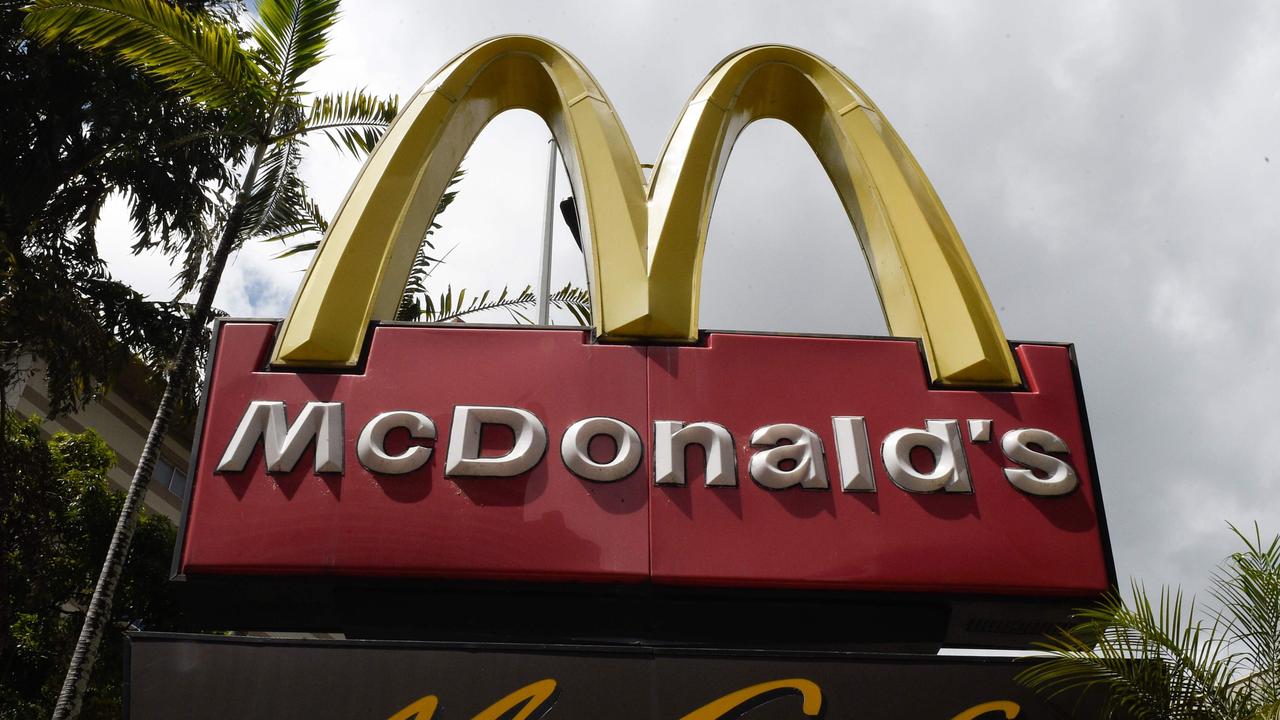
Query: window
point(169, 477)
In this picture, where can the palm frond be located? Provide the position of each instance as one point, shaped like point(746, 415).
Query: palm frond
point(303, 247)
point(269, 196)
point(415, 294)
point(425, 264)
point(1247, 589)
point(199, 245)
point(450, 308)
point(353, 121)
point(279, 205)
point(292, 36)
point(191, 52)
point(1153, 659)
point(446, 199)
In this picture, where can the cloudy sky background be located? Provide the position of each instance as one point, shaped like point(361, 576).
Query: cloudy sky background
point(1112, 168)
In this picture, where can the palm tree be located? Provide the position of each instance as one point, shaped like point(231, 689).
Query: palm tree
point(1160, 658)
point(76, 130)
point(258, 78)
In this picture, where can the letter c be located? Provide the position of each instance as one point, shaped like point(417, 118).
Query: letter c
point(372, 454)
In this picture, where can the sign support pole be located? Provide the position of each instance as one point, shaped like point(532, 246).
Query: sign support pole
point(544, 277)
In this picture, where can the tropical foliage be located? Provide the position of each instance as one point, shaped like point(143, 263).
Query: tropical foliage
point(1164, 657)
point(258, 79)
point(75, 130)
point(417, 304)
point(448, 307)
point(56, 514)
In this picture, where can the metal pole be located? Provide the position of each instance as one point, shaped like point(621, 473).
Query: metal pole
point(544, 279)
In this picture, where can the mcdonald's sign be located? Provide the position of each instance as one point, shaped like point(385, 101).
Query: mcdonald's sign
point(642, 452)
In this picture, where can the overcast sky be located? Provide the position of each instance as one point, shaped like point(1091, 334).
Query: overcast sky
point(1112, 169)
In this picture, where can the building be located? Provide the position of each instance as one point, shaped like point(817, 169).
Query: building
point(122, 416)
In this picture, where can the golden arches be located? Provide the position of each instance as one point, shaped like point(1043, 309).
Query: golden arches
point(361, 266)
point(927, 284)
point(645, 242)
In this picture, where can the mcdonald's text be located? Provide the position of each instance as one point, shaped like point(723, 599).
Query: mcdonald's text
point(785, 455)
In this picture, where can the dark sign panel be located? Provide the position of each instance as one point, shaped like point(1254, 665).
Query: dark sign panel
point(200, 677)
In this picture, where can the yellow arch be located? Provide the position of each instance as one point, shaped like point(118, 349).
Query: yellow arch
point(645, 243)
point(363, 262)
point(927, 284)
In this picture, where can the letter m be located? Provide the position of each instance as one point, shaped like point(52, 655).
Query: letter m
point(283, 445)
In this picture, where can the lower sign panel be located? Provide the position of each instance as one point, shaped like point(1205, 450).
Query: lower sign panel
point(206, 677)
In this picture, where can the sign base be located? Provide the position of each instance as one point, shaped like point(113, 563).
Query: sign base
point(643, 614)
point(197, 677)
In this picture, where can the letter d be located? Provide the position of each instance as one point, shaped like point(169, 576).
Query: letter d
point(463, 459)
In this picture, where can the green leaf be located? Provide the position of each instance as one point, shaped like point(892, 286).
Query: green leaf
point(415, 302)
point(305, 247)
point(577, 301)
point(353, 121)
point(1247, 588)
point(191, 52)
point(279, 204)
point(1154, 659)
point(57, 519)
point(292, 36)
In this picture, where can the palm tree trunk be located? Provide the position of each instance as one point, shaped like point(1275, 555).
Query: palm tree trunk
point(99, 611)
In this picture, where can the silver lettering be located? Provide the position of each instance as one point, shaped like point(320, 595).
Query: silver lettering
point(671, 437)
point(283, 445)
point(463, 458)
point(853, 452)
point(575, 449)
point(1061, 478)
point(942, 438)
point(803, 447)
point(373, 455)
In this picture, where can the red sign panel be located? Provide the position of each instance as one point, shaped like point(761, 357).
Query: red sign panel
point(991, 537)
point(750, 460)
